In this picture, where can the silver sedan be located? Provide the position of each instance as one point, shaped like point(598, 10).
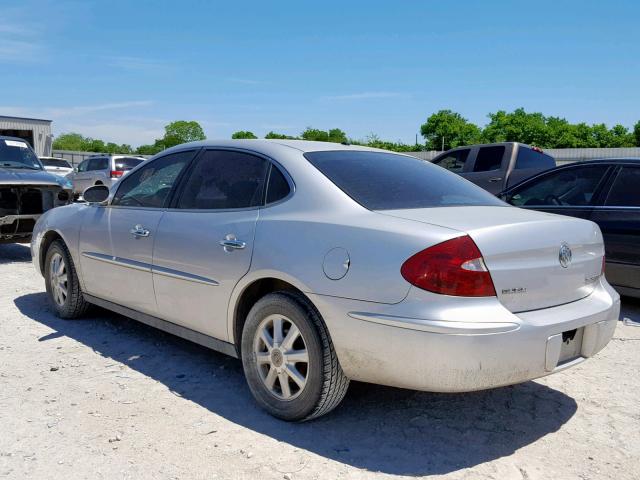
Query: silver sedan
point(318, 263)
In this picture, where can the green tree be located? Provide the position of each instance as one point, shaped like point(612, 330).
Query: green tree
point(337, 136)
point(636, 133)
point(69, 141)
point(243, 134)
point(315, 134)
point(447, 129)
point(280, 136)
point(517, 126)
point(182, 131)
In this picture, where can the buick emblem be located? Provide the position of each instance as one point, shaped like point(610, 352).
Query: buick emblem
point(565, 255)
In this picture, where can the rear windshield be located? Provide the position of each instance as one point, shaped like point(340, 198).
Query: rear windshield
point(385, 181)
point(127, 163)
point(18, 154)
point(530, 158)
point(55, 162)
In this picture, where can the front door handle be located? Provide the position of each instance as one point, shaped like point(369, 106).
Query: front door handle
point(495, 179)
point(139, 231)
point(230, 243)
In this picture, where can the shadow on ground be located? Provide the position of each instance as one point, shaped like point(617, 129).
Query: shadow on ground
point(376, 428)
point(14, 253)
point(630, 309)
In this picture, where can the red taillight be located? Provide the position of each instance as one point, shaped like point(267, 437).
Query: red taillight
point(454, 267)
point(116, 173)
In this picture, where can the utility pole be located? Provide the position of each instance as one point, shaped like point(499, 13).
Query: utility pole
point(443, 143)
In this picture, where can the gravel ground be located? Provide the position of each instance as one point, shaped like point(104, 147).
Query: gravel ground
point(109, 398)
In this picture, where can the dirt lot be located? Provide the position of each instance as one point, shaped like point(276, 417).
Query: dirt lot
point(109, 398)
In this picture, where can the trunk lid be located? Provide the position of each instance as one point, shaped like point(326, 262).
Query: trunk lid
point(521, 249)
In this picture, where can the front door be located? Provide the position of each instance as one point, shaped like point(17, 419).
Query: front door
point(116, 247)
point(619, 220)
point(205, 241)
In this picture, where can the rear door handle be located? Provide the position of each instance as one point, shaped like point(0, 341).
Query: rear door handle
point(495, 179)
point(139, 231)
point(230, 243)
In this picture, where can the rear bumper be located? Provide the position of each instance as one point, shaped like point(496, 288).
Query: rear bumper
point(438, 343)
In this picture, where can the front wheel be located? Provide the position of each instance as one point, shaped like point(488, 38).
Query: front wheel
point(61, 280)
point(289, 360)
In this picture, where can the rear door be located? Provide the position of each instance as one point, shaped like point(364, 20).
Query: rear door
point(116, 242)
point(488, 169)
point(567, 191)
point(619, 220)
point(205, 241)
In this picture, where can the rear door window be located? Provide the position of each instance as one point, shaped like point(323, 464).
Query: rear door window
point(625, 192)
point(100, 163)
point(221, 180)
point(454, 161)
point(566, 187)
point(489, 158)
point(278, 187)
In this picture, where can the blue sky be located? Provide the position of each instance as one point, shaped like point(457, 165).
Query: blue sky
point(120, 70)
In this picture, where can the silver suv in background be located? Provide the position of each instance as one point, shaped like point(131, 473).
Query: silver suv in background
point(496, 166)
point(102, 170)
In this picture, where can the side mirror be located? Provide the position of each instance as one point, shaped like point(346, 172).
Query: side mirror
point(96, 194)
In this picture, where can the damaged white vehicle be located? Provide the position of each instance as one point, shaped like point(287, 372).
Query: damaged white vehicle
point(26, 190)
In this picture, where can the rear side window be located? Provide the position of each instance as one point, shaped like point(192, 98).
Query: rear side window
point(567, 187)
point(624, 192)
point(385, 181)
point(453, 161)
point(224, 180)
point(530, 158)
point(278, 187)
point(489, 158)
point(54, 162)
point(98, 164)
point(124, 164)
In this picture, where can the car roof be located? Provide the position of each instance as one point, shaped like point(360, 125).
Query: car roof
point(259, 144)
point(7, 137)
point(630, 160)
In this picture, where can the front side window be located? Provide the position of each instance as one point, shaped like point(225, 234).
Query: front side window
point(222, 180)
point(489, 158)
point(624, 192)
point(386, 181)
point(570, 187)
point(83, 166)
point(453, 161)
point(150, 185)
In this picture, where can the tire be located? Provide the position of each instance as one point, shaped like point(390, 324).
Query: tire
point(325, 383)
point(72, 304)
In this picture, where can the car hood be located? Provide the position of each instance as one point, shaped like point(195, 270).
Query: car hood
point(19, 176)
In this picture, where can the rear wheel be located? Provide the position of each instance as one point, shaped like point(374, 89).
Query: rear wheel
point(61, 280)
point(289, 360)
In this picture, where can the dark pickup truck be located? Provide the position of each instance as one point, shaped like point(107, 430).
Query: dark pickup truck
point(496, 166)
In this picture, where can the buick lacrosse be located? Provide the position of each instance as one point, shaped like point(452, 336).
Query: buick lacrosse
point(319, 263)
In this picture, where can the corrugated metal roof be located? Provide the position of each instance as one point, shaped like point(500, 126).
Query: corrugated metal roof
point(10, 117)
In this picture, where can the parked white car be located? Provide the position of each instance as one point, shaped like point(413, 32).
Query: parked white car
point(57, 166)
point(317, 263)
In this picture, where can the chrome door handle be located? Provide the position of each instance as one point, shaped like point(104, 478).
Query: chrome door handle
point(139, 231)
point(230, 243)
point(495, 179)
